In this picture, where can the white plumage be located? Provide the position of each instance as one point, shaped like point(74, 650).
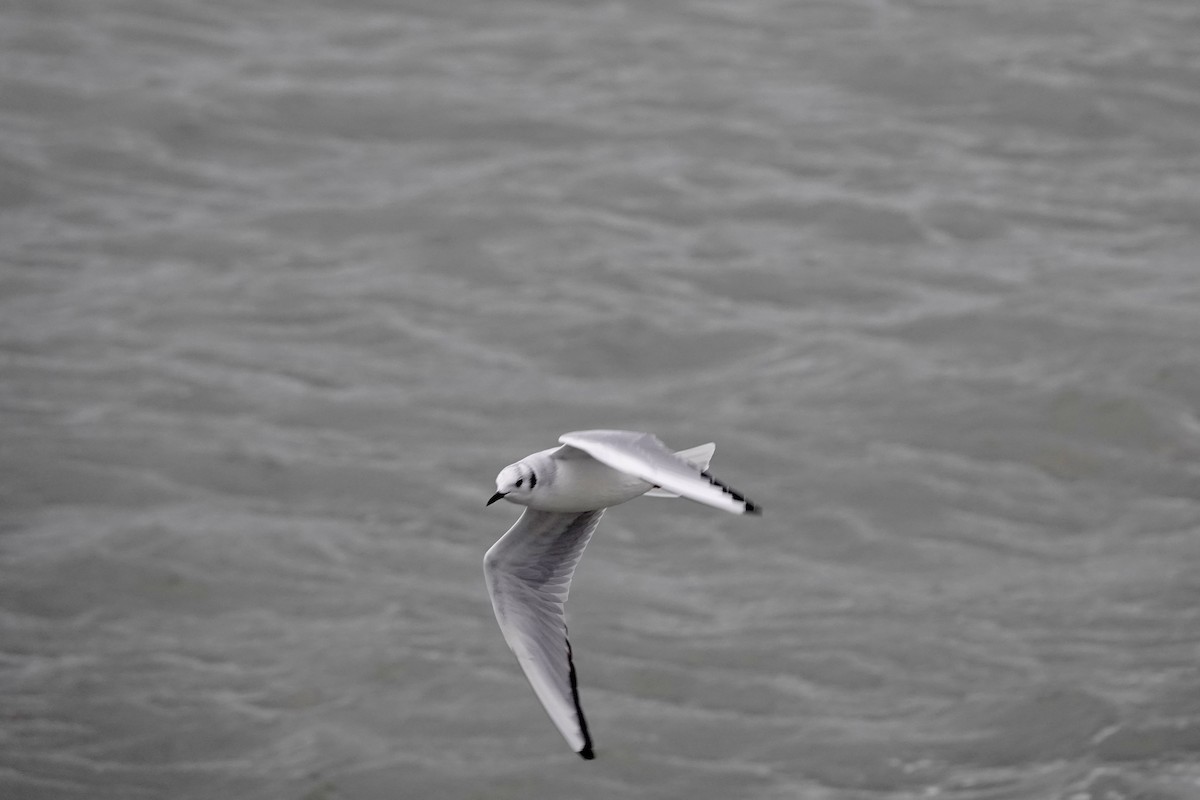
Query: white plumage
point(565, 490)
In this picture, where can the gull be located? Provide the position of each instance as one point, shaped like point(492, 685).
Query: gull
point(565, 491)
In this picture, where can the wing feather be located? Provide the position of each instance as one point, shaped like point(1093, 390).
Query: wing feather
point(528, 574)
point(644, 456)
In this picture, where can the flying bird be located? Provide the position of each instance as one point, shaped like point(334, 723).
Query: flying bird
point(565, 491)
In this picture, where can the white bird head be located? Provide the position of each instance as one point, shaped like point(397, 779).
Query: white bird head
point(515, 483)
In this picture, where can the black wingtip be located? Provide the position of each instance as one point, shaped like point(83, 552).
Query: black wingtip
point(586, 753)
point(747, 506)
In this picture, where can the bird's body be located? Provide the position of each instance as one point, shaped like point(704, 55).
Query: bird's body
point(565, 490)
point(568, 479)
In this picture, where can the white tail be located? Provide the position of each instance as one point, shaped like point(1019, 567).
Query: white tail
point(698, 457)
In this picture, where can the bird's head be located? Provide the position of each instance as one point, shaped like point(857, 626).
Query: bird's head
point(515, 483)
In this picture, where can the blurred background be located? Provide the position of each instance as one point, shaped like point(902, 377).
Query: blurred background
point(284, 284)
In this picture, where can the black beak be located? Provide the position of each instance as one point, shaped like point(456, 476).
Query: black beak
point(495, 497)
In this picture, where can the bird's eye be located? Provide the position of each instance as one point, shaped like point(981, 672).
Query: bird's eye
point(519, 482)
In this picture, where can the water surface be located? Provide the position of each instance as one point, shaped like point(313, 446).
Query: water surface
point(283, 285)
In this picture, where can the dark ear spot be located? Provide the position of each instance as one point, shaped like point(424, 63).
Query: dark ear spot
point(532, 480)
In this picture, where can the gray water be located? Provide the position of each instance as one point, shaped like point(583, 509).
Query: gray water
point(284, 284)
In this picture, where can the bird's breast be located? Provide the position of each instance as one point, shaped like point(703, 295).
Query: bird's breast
point(584, 484)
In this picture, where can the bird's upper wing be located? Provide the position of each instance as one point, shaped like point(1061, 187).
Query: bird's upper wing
point(644, 456)
point(528, 574)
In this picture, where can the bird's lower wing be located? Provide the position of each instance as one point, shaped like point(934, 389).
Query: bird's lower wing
point(644, 456)
point(528, 574)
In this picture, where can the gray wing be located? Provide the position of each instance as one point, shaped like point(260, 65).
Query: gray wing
point(528, 574)
point(644, 456)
